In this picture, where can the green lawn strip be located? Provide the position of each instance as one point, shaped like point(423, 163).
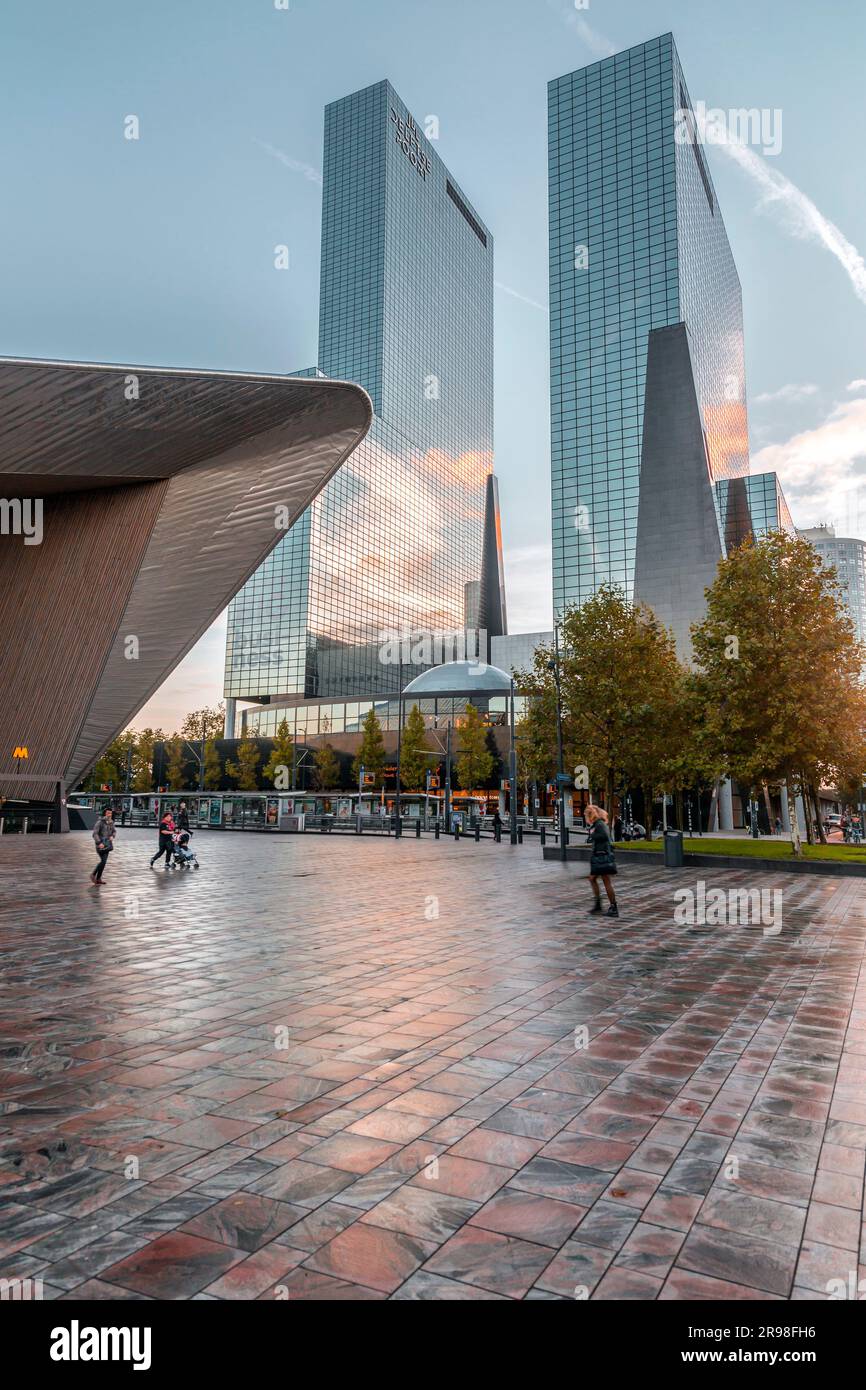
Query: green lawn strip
point(755, 849)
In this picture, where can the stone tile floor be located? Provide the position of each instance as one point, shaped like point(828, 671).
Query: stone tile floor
point(326, 1068)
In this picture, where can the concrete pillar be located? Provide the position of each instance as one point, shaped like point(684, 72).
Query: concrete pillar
point(726, 805)
point(231, 706)
point(801, 815)
point(786, 818)
point(59, 813)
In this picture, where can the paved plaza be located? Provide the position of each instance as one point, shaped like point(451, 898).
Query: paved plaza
point(333, 1068)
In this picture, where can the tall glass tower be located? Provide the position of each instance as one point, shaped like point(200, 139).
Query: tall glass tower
point(394, 543)
point(638, 257)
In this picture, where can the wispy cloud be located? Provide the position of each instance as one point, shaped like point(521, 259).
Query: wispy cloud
point(857, 385)
point(592, 39)
point(297, 166)
point(796, 211)
point(823, 470)
point(788, 394)
point(524, 298)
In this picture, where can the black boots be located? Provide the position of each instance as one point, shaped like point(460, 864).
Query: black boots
point(596, 908)
point(613, 910)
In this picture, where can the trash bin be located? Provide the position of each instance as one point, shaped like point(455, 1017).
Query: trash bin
point(673, 849)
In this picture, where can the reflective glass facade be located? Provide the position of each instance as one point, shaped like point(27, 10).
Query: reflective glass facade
point(394, 542)
point(637, 242)
point(752, 506)
point(324, 719)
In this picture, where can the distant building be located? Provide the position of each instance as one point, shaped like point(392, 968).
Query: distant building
point(848, 555)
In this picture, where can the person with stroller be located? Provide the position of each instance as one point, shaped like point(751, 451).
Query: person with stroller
point(166, 843)
point(602, 863)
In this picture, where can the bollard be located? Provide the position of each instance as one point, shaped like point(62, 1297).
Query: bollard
point(457, 832)
point(542, 837)
point(477, 832)
point(565, 837)
point(436, 829)
point(520, 834)
point(417, 830)
point(497, 834)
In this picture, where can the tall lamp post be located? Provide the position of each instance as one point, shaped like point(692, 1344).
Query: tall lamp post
point(512, 774)
point(398, 825)
point(560, 770)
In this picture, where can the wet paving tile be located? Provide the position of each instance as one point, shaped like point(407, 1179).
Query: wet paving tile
point(363, 1104)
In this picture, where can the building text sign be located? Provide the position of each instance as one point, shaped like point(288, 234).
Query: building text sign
point(408, 139)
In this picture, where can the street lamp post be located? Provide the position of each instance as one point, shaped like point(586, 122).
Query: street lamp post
point(560, 779)
point(398, 827)
point(512, 775)
point(448, 776)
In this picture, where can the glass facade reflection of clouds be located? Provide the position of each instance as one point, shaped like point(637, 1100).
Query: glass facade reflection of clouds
point(637, 242)
point(394, 542)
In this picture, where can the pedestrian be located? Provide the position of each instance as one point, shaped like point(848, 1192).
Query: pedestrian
point(778, 825)
point(602, 864)
point(182, 817)
point(497, 820)
point(104, 832)
point(166, 844)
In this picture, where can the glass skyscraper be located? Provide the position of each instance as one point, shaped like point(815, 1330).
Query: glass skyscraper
point(637, 244)
point(394, 543)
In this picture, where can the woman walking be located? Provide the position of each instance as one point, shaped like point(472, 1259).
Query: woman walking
point(104, 832)
point(602, 863)
point(166, 844)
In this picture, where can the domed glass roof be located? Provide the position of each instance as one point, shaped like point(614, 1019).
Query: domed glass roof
point(459, 678)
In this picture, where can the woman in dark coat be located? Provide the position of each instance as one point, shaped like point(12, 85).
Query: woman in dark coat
point(602, 864)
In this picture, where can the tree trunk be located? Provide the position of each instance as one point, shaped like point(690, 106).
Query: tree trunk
point(678, 803)
point(648, 811)
point(608, 798)
point(796, 845)
point(769, 807)
point(817, 803)
point(807, 808)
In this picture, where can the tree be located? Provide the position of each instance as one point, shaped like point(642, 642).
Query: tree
point(204, 723)
point(280, 763)
point(414, 752)
point(111, 769)
point(245, 772)
point(779, 668)
point(474, 761)
point(212, 766)
point(143, 779)
point(326, 768)
point(371, 755)
point(618, 678)
point(175, 771)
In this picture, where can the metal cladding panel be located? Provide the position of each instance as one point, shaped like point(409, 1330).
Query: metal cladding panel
point(678, 542)
point(60, 603)
point(217, 524)
point(78, 424)
point(157, 561)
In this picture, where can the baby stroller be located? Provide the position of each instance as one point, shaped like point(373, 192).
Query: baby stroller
point(184, 857)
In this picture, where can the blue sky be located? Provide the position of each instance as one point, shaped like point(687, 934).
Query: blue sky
point(161, 250)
